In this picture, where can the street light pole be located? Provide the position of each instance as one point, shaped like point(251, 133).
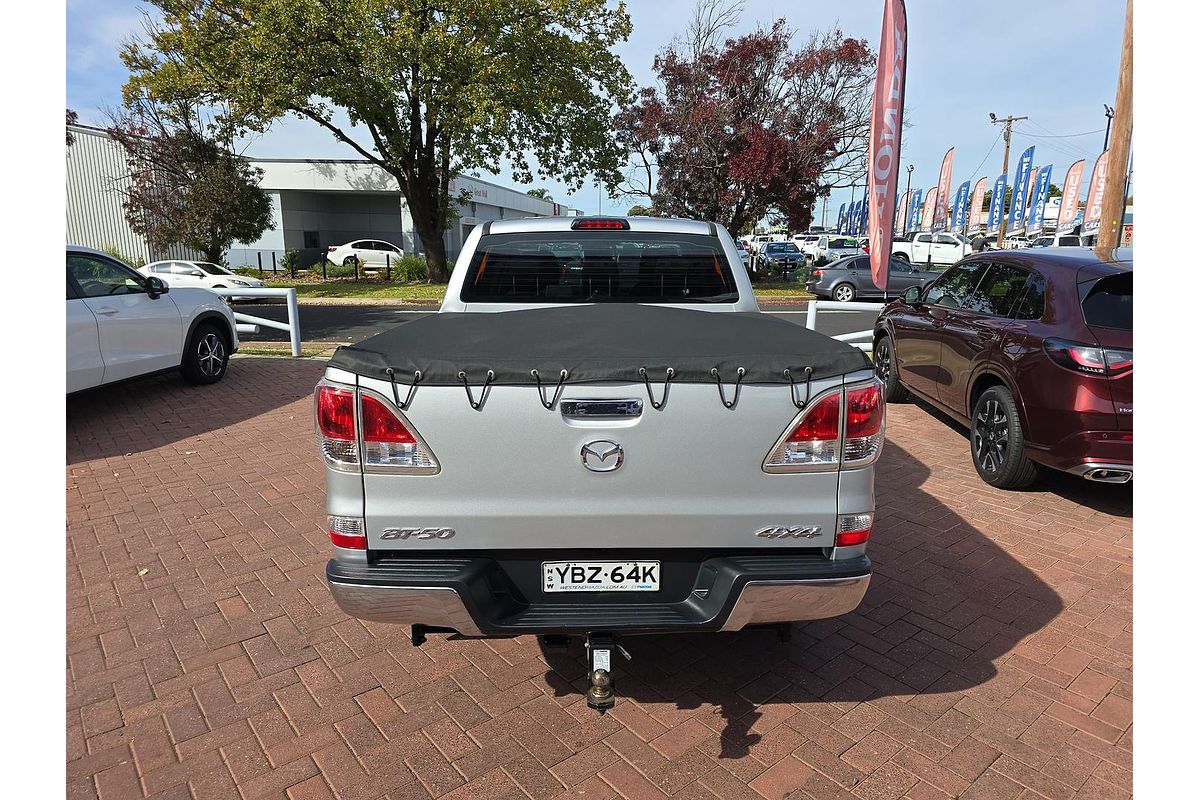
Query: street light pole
point(1108, 113)
point(1008, 121)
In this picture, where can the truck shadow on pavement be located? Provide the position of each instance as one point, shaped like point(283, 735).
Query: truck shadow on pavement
point(945, 603)
point(151, 412)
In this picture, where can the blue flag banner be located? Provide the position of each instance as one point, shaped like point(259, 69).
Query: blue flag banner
point(850, 212)
point(914, 214)
point(841, 222)
point(961, 198)
point(997, 209)
point(863, 215)
point(1016, 213)
point(855, 216)
point(1037, 201)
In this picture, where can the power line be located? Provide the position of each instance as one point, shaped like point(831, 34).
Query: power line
point(985, 158)
point(1063, 135)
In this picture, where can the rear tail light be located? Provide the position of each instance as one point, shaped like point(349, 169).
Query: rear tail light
point(817, 273)
point(817, 442)
point(335, 426)
point(389, 443)
point(1090, 359)
point(813, 440)
point(864, 424)
point(347, 532)
point(853, 529)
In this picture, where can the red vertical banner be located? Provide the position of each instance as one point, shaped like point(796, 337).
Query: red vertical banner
point(1069, 203)
point(976, 218)
point(883, 149)
point(1095, 198)
point(929, 210)
point(942, 210)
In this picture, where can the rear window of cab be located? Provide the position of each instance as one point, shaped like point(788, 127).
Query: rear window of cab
point(597, 266)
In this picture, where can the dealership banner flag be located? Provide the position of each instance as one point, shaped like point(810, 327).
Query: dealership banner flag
point(1016, 213)
point(1069, 204)
point(960, 205)
point(901, 213)
point(941, 211)
point(1037, 202)
point(997, 208)
point(1095, 198)
point(928, 212)
point(852, 218)
point(977, 204)
point(914, 211)
point(883, 148)
point(841, 217)
point(862, 216)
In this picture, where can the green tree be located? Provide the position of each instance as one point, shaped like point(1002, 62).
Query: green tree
point(435, 88)
point(541, 194)
point(640, 211)
point(72, 118)
point(184, 186)
point(1054, 191)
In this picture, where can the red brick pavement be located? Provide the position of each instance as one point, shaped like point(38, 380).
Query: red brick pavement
point(990, 659)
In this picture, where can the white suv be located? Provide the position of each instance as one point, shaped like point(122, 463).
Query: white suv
point(121, 324)
point(365, 251)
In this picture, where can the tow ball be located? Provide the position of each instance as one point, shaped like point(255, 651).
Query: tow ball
point(601, 692)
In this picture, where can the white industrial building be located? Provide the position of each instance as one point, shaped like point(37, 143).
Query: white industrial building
point(316, 203)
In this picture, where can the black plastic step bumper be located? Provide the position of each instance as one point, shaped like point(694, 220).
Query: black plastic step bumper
point(480, 595)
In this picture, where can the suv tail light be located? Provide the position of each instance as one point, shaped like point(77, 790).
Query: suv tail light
point(389, 443)
point(1090, 359)
point(817, 442)
point(816, 273)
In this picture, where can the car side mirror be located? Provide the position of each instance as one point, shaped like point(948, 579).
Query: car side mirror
point(156, 287)
point(912, 296)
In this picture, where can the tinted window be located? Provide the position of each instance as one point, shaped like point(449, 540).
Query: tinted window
point(161, 268)
point(98, 277)
point(945, 239)
point(842, 243)
point(1033, 302)
point(952, 288)
point(998, 291)
point(1068, 241)
point(1110, 303)
point(212, 269)
point(605, 266)
point(925, 237)
point(179, 268)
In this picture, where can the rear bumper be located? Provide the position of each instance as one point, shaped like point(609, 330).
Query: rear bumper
point(1085, 451)
point(480, 596)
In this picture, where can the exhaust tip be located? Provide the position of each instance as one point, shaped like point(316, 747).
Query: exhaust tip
point(1109, 475)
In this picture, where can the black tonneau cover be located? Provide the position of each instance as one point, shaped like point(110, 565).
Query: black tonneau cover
point(593, 343)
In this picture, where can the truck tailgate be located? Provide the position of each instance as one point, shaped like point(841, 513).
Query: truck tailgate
point(512, 473)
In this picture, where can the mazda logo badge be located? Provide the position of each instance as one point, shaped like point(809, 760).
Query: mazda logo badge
point(602, 455)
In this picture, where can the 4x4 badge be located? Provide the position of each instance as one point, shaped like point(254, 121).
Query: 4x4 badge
point(798, 532)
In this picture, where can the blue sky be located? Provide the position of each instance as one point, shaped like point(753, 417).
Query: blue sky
point(1054, 62)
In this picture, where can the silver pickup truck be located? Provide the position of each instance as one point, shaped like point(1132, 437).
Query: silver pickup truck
point(598, 435)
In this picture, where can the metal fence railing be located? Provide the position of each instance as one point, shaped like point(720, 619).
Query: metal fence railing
point(248, 323)
point(859, 339)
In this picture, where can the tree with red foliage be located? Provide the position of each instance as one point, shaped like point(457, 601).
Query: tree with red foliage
point(749, 127)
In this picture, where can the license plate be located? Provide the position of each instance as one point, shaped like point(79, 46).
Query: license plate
point(600, 576)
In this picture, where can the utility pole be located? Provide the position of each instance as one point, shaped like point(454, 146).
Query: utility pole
point(1112, 207)
point(1108, 115)
point(1008, 122)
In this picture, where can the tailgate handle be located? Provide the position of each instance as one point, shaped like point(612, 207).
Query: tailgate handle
point(601, 408)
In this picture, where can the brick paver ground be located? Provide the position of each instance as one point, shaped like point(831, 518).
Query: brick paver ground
point(990, 659)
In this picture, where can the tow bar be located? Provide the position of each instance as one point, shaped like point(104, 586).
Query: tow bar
point(601, 693)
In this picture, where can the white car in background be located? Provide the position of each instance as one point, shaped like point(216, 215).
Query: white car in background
point(122, 324)
point(375, 252)
point(199, 275)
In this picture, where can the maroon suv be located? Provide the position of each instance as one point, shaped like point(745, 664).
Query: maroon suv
point(1033, 350)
